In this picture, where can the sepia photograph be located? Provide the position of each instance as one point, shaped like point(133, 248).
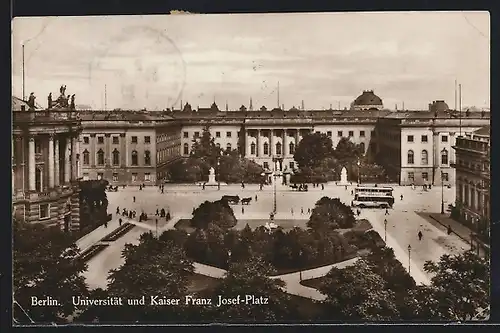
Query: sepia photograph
point(251, 168)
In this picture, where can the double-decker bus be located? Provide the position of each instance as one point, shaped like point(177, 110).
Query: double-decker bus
point(372, 196)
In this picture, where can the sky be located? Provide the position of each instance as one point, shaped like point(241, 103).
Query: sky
point(323, 59)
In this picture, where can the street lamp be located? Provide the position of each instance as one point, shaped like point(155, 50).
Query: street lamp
point(359, 172)
point(409, 259)
point(156, 228)
point(228, 257)
point(385, 230)
point(442, 193)
point(218, 171)
point(300, 260)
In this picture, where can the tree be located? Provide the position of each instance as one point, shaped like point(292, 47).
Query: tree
point(331, 213)
point(45, 265)
point(460, 288)
point(93, 203)
point(265, 300)
point(312, 149)
point(152, 268)
point(347, 151)
point(188, 170)
point(357, 292)
point(205, 148)
point(217, 212)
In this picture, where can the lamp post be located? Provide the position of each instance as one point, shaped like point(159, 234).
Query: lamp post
point(274, 192)
point(385, 230)
point(300, 262)
point(442, 193)
point(218, 172)
point(156, 228)
point(359, 172)
point(409, 259)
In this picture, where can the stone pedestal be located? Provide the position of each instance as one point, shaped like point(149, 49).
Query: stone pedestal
point(343, 177)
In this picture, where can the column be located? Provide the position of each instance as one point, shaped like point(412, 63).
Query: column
point(93, 152)
point(247, 144)
point(297, 138)
point(51, 161)
point(435, 155)
point(107, 150)
point(284, 148)
point(31, 163)
point(57, 173)
point(78, 158)
point(67, 160)
point(123, 152)
point(271, 142)
point(257, 148)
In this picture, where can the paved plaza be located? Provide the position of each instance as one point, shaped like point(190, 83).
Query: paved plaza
point(402, 227)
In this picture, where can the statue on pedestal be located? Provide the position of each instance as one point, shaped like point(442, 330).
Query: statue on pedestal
point(31, 102)
point(49, 101)
point(72, 104)
point(343, 177)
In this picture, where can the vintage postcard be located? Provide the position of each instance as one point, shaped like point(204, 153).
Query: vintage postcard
point(256, 168)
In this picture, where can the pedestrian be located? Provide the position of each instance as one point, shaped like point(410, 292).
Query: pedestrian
point(401, 197)
point(117, 210)
point(203, 187)
point(242, 185)
point(346, 187)
point(359, 212)
point(302, 210)
point(134, 198)
point(420, 235)
point(449, 231)
point(105, 224)
point(157, 212)
point(120, 222)
point(322, 186)
point(162, 190)
point(352, 192)
point(386, 211)
point(242, 210)
point(308, 210)
point(256, 197)
point(291, 211)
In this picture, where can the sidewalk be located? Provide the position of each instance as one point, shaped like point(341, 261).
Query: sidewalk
point(93, 237)
point(460, 230)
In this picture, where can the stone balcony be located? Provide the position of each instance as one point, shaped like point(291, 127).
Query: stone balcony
point(45, 116)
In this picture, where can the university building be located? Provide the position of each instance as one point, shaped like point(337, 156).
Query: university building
point(45, 165)
point(135, 147)
point(472, 166)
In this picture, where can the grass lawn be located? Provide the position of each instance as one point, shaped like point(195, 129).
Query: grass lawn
point(285, 224)
point(313, 283)
point(184, 224)
point(200, 282)
point(280, 271)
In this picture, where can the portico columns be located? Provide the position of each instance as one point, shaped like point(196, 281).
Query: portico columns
point(51, 161)
point(258, 143)
point(297, 137)
point(285, 144)
point(31, 163)
point(271, 142)
point(67, 160)
point(247, 144)
point(57, 173)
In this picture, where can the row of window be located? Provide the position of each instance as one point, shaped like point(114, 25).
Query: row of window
point(167, 137)
point(474, 166)
point(265, 165)
point(425, 176)
point(425, 157)
point(116, 157)
point(100, 175)
point(162, 154)
point(116, 140)
point(329, 133)
point(424, 138)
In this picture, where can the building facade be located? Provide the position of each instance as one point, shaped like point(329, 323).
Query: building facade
point(45, 166)
point(127, 147)
point(416, 146)
point(472, 166)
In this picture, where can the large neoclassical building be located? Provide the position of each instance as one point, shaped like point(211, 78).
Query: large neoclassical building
point(135, 147)
point(45, 165)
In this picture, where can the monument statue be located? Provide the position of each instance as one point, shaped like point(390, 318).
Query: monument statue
point(72, 105)
point(211, 177)
point(62, 90)
point(49, 101)
point(31, 101)
point(343, 177)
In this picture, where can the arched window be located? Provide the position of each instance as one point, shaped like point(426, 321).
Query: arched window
point(362, 147)
point(278, 148)
point(100, 157)
point(147, 157)
point(86, 157)
point(116, 157)
point(228, 147)
point(252, 148)
point(291, 147)
point(186, 149)
point(411, 156)
point(425, 157)
point(266, 148)
point(134, 158)
point(444, 156)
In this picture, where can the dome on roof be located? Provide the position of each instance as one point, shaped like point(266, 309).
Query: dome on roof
point(368, 98)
